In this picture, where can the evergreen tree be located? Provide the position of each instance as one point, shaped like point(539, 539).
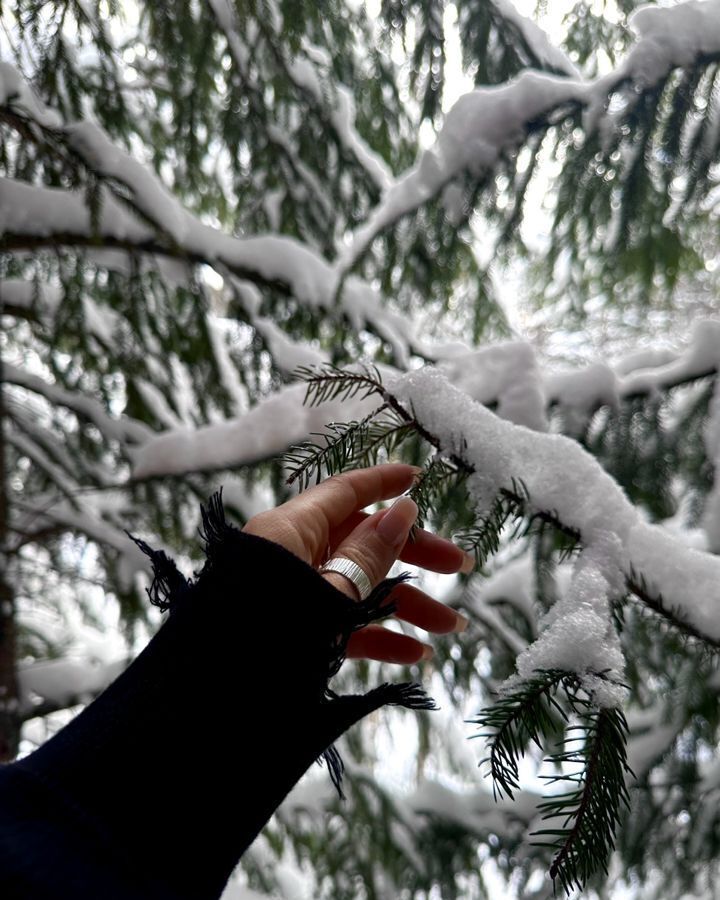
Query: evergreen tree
point(212, 211)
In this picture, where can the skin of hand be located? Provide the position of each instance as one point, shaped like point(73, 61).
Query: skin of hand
point(327, 521)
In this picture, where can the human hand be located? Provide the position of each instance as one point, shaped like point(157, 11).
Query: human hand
point(327, 521)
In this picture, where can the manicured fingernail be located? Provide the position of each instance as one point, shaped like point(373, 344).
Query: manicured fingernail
point(428, 652)
point(417, 469)
point(393, 527)
point(468, 563)
point(461, 622)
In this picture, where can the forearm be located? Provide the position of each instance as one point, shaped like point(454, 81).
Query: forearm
point(220, 715)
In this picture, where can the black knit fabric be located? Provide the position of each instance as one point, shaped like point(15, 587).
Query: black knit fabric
point(157, 788)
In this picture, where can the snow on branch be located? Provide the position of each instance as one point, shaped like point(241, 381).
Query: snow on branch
point(488, 122)
point(49, 686)
point(544, 53)
point(264, 431)
point(585, 390)
point(304, 71)
point(137, 213)
point(19, 298)
point(506, 377)
point(560, 477)
point(125, 430)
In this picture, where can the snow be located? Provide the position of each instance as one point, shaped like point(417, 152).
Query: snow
point(651, 735)
point(582, 391)
point(101, 321)
point(489, 121)
point(121, 429)
point(506, 374)
point(672, 36)
point(711, 436)
point(341, 110)
point(220, 332)
point(264, 431)
point(24, 294)
point(15, 92)
point(28, 210)
point(476, 811)
point(578, 635)
point(64, 682)
point(560, 476)
point(701, 357)
point(548, 54)
point(514, 582)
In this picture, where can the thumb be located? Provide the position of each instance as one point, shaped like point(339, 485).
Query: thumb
point(375, 544)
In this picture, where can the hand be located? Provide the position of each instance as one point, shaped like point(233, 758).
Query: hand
point(327, 520)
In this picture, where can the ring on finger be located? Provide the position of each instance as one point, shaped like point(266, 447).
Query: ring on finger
point(350, 570)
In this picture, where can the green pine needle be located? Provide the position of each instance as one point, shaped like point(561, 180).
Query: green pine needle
point(590, 810)
point(346, 445)
point(329, 382)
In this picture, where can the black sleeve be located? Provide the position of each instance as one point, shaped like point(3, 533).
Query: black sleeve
point(159, 785)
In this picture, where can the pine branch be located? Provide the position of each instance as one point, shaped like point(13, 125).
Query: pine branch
point(590, 811)
point(330, 382)
point(593, 807)
point(356, 443)
point(432, 481)
point(517, 720)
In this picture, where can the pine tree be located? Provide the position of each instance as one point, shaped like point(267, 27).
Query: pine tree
point(210, 211)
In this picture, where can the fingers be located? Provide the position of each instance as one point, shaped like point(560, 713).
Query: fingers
point(376, 642)
point(415, 606)
point(315, 512)
point(436, 554)
point(375, 544)
point(427, 550)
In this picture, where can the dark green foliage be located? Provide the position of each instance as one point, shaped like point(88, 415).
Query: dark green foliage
point(346, 445)
point(589, 812)
point(333, 383)
point(525, 716)
point(495, 48)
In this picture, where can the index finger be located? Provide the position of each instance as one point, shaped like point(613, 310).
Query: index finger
point(328, 504)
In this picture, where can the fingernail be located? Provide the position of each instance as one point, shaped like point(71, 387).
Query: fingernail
point(461, 622)
point(468, 563)
point(393, 527)
point(417, 470)
point(428, 652)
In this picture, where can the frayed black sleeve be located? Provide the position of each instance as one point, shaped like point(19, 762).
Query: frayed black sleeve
point(165, 779)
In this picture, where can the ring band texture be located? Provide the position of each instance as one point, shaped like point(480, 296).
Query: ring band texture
point(351, 571)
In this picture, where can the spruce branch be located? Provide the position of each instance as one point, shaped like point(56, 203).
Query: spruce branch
point(483, 539)
point(355, 443)
point(638, 587)
point(436, 478)
point(513, 502)
point(329, 382)
point(516, 720)
point(590, 811)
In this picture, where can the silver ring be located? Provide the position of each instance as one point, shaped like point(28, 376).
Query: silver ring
point(351, 571)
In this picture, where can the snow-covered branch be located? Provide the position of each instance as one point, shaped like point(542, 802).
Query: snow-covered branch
point(53, 685)
point(144, 217)
point(489, 122)
point(506, 377)
point(303, 71)
point(123, 429)
point(565, 482)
